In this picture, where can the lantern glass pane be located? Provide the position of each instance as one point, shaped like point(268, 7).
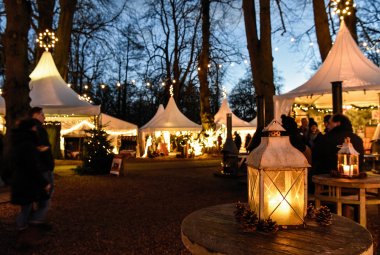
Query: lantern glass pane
point(253, 189)
point(284, 196)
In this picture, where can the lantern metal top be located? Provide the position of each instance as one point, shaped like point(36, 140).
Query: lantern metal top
point(276, 152)
point(347, 148)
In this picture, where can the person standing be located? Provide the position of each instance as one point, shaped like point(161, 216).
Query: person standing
point(46, 165)
point(247, 141)
point(28, 185)
point(237, 140)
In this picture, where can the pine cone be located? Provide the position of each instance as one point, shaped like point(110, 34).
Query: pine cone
point(323, 216)
point(310, 211)
point(267, 225)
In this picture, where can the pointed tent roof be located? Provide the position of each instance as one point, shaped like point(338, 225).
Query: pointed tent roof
point(116, 125)
point(220, 117)
point(160, 110)
point(172, 119)
point(345, 62)
point(49, 91)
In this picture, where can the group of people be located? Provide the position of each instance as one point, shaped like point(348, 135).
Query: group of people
point(321, 148)
point(30, 171)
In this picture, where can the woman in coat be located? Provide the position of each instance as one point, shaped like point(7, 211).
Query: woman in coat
point(27, 183)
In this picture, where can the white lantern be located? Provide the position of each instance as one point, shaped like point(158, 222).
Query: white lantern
point(348, 160)
point(277, 179)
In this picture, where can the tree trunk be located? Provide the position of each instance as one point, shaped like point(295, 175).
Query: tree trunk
point(16, 88)
point(260, 53)
point(45, 20)
point(206, 116)
point(65, 25)
point(322, 28)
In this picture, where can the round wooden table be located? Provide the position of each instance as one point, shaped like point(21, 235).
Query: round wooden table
point(214, 230)
point(328, 188)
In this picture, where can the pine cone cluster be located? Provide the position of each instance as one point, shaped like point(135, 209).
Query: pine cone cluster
point(250, 221)
point(323, 216)
point(268, 225)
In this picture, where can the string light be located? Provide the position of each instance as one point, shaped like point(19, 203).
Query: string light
point(224, 92)
point(171, 90)
point(69, 85)
point(342, 8)
point(46, 39)
point(118, 84)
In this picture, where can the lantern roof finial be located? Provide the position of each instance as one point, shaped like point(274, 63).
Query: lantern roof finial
point(274, 125)
point(347, 147)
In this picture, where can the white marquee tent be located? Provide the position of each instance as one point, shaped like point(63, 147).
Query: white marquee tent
point(237, 123)
point(345, 62)
point(49, 91)
point(242, 127)
point(160, 110)
point(170, 120)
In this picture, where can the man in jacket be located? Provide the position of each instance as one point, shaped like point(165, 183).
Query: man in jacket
point(46, 164)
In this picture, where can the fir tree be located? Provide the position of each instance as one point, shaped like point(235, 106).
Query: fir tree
point(97, 153)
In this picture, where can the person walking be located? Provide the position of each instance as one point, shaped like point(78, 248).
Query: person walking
point(46, 161)
point(28, 184)
point(247, 141)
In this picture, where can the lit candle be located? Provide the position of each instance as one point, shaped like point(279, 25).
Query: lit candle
point(346, 170)
point(279, 209)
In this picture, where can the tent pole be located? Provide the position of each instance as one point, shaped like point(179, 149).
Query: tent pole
point(337, 97)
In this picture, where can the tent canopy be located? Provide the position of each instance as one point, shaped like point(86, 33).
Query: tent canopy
point(221, 118)
point(110, 123)
point(49, 91)
point(171, 119)
point(160, 110)
point(345, 62)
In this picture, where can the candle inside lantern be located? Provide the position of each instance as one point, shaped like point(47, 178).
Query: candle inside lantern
point(347, 170)
point(278, 209)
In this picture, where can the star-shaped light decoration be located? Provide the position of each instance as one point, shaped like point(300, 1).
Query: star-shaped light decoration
point(46, 39)
point(342, 7)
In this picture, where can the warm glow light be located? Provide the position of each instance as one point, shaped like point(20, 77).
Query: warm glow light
point(118, 84)
point(46, 40)
point(171, 90)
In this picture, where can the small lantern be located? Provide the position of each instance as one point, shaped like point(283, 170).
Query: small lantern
point(348, 160)
point(277, 179)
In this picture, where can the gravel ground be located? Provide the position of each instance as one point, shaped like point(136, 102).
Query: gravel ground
point(139, 213)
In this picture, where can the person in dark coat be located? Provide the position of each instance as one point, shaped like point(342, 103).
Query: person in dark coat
point(237, 140)
point(28, 184)
point(326, 148)
point(313, 134)
point(46, 165)
point(247, 141)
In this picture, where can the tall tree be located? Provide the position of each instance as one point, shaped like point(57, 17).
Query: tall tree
point(207, 118)
point(16, 88)
point(260, 54)
point(322, 28)
point(65, 25)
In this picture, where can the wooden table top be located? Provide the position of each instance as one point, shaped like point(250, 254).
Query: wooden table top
point(371, 181)
point(214, 230)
